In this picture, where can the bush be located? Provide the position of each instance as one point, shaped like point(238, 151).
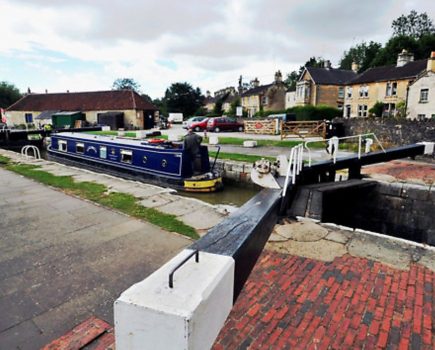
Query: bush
point(377, 109)
point(320, 112)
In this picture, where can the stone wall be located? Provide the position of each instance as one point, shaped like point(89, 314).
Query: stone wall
point(237, 172)
point(391, 132)
point(396, 209)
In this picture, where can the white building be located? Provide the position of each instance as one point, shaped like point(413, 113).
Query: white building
point(421, 94)
point(290, 99)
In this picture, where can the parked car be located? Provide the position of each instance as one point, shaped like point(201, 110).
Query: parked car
point(224, 124)
point(187, 123)
point(199, 126)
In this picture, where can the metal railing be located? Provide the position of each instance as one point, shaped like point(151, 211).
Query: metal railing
point(333, 144)
point(294, 167)
point(25, 152)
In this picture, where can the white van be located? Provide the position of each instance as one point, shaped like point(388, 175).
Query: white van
point(175, 118)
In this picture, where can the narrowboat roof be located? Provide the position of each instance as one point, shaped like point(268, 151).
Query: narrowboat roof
point(104, 138)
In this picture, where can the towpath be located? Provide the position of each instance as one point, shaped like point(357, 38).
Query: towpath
point(63, 259)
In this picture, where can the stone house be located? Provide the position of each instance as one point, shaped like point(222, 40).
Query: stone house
point(386, 84)
point(323, 86)
point(421, 94)
point(138, 113)
point(270, 97)
point(209, 102)
point(290, 99)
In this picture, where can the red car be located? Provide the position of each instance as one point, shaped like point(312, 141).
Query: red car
point(199, 126)
point(224, 124)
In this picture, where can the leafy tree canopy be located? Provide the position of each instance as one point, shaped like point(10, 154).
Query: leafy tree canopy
point(414, 25)
point(126, 84)
point(9, 94)
point(362, 54)
point(183, 98)
point(294, 76)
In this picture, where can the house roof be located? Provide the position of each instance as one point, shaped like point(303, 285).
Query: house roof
point(46, 114)
point(256, 90)
point(83, 101)
point(392, 72)
point(330, 76)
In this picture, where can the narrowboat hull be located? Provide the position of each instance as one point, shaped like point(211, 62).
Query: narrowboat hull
point(208, 181)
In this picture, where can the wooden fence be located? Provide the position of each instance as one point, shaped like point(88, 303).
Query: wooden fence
point(303, 129)
point(266, 127)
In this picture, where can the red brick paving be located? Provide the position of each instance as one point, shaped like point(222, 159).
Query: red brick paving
point(351, 303)
point(404, 170)
point(291, 302)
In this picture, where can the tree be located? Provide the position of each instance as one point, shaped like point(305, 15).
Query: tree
point(9, 94)
point(362, 54)
point(126, 84)
point(147, 98)
point(414, 25)
point(183, 98)
point(291, 80)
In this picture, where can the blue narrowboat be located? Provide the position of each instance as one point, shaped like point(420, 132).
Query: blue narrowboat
point(157, 161)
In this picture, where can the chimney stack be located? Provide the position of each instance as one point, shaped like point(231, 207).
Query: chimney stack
point(355, 67)
point(404, 57)
point(278, 77)
point(431, 62)
point(255, 83)
point(327, 64)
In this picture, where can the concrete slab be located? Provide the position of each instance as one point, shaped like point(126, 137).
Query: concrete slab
point(181, 207)
point(63, 259)
point(155, 201)
point(302, 231)
point(202, 219)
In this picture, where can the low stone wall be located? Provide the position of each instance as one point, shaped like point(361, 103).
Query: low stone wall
point(392, 132)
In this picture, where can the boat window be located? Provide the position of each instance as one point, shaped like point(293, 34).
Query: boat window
point(80, 147)
point(144, 159)
point(164, 163)
point(62, 146)
point(126, 156)
point(103, 152)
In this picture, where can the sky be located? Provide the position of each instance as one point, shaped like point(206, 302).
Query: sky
point(84, 45)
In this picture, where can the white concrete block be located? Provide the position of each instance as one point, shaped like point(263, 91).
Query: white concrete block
point(213, 140)
point(141, 134)
point(174, 137)
point(428, 147)
point(250, 143)
point(105, 128)
point(150, 315)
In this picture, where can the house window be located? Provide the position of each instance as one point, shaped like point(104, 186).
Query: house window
point(348, 111)
point(389, 109)
point(340, 92)
point(391, 89)
point(264, 100)
point(28, 117)
point(424, 95)
point(421, 116)
point(363, 91)
point(349, 92)
point(362, 110)
point(126, 156)
point(103, 152)
point(62, 146)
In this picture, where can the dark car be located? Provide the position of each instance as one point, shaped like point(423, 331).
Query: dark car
point(224, 124)
point(199, 126)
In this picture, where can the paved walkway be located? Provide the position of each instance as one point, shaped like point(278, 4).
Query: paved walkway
point(189, 210)
point(63, 259)
point(361, 292)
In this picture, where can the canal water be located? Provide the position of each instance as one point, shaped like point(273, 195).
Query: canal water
point(232, 195)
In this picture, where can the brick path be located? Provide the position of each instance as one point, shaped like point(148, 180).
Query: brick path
point(292, 302)
point(404, 170)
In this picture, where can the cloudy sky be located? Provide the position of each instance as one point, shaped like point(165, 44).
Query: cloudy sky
point(84, 45)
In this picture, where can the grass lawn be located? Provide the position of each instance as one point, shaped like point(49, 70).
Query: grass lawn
point(238, 157)
point(98, 193)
